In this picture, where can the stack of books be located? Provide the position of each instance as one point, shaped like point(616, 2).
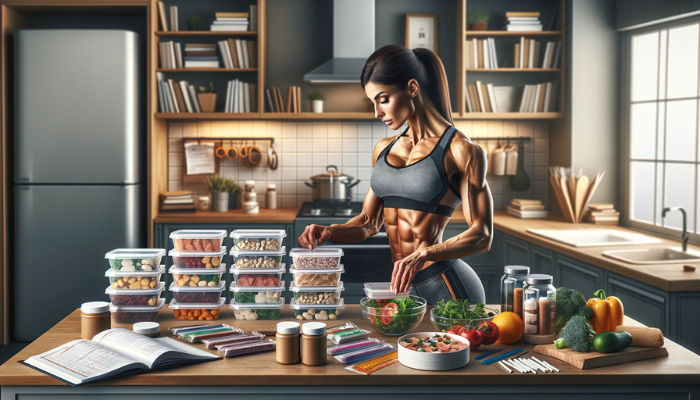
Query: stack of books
point(231, 21)
point(523, 21)
point(201, 56)
point(277, 104)
point(527, 54)
point(176, 97)
point(482, 54)
point(182, 201)
point(527, 209)
point(170, 55)
point(541, 97)
point(239, 53)
point(603, 213)
point(241, 97)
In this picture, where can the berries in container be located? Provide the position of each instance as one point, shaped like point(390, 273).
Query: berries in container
point(134, 279)
point(200, 277)
point(316, 295)
point(197, 312)
point(135, 259)
point(257, 294)
point(247, 311)
point(319, 258)
point(257, 277)
point(316, 312)
point(198, 259)
point(197, 294)
point(131, 315)
point(258, 239)
point(135, 297)
point(317, 277)
point(257, 259)
point(209, 240)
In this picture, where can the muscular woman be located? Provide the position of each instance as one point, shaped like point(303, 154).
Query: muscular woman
point(420, 176)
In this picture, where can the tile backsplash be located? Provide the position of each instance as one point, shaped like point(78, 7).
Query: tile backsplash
point(306, 148)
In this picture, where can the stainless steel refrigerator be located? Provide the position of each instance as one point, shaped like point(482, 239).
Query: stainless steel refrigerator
point(79, 169)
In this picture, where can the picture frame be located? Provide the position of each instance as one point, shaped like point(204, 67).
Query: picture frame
point(421, 31)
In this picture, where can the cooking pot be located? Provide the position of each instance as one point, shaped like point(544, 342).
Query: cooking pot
point(331, 185)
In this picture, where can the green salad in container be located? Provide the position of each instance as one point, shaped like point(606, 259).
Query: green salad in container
point(446, 314)
point(394, 316)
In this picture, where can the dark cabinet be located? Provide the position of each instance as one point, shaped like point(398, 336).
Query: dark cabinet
point(542, 261)
point(578, 275)
point(515, 251)
point(647, 304)
point(685, 322)
point(491, 279)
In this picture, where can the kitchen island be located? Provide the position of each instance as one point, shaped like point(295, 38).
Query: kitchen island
point(259, 376)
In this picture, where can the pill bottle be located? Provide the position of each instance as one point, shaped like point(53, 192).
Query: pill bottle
point(288, 342)
point(271, 196)
point(94, 318)
point(313, 343)
point(150, 329)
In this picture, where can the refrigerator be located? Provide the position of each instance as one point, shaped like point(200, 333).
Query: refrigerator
point(79, 182)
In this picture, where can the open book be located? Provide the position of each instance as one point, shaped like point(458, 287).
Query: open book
point(113, 353)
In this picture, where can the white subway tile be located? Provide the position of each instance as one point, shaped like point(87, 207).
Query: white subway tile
point(362, 187)
point(174, 173)
point(304, 145)
point(349, 159)
point(174, 159)
point(174, 130)
point(320, 130)
point(541, 159)
point(289, 130)
point(542, 145)
point(189, 130)
point(288, 160)
point(378, 131)
point(364, 131)
point(245, 174)
point(335, 130)
point(288, 201)
point(335, 145)
point(260, 172)
point(289, 174)
point(364, 145)
point(494, 128)
point(352, 171)
point(245, 128)
point(304, 160)
point(364, 159)
point(289, 187)
point(304, 173)
point(174, 186)
point(319, 159)
point(349, 145)
point(541, 174)
point(349, 129)
point(203, 128)
point(304, 130)
point(302, 188)
point(288, 146)
point(541, 130)
point(525, 129)
point(275, 175)
point(364, 173)
point(175, 145)
point(319, 145)
point(541, 188)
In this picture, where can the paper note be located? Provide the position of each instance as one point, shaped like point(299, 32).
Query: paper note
point(200, 158)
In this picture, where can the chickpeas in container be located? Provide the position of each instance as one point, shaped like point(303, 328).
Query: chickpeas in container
point(244, 259)
point(319, 258)
point(135, 259)
point(258, 239)
point(197, 277)
point(134, 279)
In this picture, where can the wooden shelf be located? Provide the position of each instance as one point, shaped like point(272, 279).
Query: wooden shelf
point(208, 116)
point(510, 34)
point(514, 70)
point(511, 115)
point(267, 116)
point(206, 33)
point(179, 70)
point(325, 115)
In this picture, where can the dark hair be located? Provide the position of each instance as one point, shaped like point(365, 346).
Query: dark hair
point(396, 65)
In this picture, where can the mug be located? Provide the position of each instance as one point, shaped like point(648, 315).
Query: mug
point(222, 152)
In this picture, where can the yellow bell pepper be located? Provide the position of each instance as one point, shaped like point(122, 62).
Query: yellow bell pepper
point(607, 312)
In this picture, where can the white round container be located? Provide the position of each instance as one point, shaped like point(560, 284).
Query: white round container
point(433, 361)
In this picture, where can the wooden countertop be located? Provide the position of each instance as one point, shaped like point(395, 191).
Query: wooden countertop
point(681, 367)
point(265, 216)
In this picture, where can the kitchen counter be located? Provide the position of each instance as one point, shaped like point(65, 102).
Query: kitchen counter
point(265, 216)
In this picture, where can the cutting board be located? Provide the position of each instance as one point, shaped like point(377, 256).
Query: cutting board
point(594, 359)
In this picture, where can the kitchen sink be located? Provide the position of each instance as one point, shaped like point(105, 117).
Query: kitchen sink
point(594, 237)
point(653, 256)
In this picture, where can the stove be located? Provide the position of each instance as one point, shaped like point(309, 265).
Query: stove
point(317, 209)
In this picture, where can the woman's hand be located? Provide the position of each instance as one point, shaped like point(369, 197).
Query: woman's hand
point(405, 269)
point(312, 233)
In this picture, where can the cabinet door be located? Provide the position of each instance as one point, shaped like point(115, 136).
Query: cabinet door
point(489, 258)
point(542, 261)
point(515, 251)
point(574, 274)
point(645, 303)
point(687, 324)
point(491, 279)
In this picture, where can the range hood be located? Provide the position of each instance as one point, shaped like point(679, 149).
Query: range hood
point(353, 43)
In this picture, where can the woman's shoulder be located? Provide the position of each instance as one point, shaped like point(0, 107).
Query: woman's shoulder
point(464, 151)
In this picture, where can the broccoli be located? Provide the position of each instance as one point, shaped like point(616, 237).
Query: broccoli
point(577, 334)
point(569, 303)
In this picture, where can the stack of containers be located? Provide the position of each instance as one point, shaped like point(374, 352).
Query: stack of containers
point(316, 285)
point(257, 268)
point(134, 284)
point(197, 269)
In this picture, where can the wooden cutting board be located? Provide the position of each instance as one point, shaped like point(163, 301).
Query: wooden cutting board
point(594, 359)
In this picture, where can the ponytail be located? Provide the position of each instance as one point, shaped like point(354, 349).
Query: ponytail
point(437, 82)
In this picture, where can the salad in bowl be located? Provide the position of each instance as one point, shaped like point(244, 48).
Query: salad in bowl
point(393, 317)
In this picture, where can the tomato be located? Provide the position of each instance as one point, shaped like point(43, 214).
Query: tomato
point(489, 332)
point(456, 329)
point(391, 309)
point(385, 319)
point(473, 336)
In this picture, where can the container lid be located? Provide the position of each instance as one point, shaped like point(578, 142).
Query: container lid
point(258, 253)
point(198, 271)
point(293, 270)
point(95, 307)
point(258, 233)
point(248, 289)
point(135, 292)
point(516, 269)
point(538, 279)
point(113, 308)
point(113, 273)
point(247, 306)
point(135, 253)
point(249, 182)
point(288, 328)
point(382, 290)
point(146, 328)
point(318, 252)
point(257, 271)
point(296, 306)
point(294, 288)
point(314, 328)
point(220, 253)
point(190, 306)
point(271, 186)
point(198, 234)
point(218, 288)
point(330, 174)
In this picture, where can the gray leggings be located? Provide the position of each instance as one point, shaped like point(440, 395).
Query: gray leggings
point(445, 280)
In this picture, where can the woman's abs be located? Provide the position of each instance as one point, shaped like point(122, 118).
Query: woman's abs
point(410, 230)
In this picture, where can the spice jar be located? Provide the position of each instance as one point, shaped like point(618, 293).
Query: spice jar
point(512, 288)
point(313, 343)
point(271, 196)
point(288, 343)
point(94, 318)
point(539, 305)
point(249, 194)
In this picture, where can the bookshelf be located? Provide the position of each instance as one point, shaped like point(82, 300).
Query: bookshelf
point(204, 33)
point(484, 34)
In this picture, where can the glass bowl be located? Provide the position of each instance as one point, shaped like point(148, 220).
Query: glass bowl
point(442, 324)
point(390, 323)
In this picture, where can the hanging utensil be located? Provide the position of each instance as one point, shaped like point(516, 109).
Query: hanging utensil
point(272, 159)
point(520, 181)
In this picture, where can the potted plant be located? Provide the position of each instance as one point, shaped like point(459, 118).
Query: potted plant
point(194, 23)
point(207, 98)
point(316, 101)
point(220, 188)
point(477, 19)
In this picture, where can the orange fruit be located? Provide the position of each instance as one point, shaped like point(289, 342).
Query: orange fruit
point(510, 327)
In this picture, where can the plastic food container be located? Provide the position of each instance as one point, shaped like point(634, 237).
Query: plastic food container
point(382, 291)
point(209, 277)
point(436, 361)
point(258, 239)
point(197, 259)
point(198, 239)
point(317, 295)
point(320, 258)
point(134, 279)
point(317, 277)
point(257, 277)
point(198, 294)
point(135, 297)
point(131, 315)
point(257, 259)
point(197, 312)
point(316, 312)
point(135, 259)
point(257, 294)
point(257, 311)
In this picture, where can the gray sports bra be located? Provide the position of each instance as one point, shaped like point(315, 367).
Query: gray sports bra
point(420, 186)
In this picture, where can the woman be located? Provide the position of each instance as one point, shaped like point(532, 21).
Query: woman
point(419, 177)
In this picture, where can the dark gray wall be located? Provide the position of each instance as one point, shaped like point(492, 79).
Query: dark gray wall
point(632, 13)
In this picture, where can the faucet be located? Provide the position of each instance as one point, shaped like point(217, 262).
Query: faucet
point(684, 235)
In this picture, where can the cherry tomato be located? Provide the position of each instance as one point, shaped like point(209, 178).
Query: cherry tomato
point(385, 319)
point(391, 309)
point(473, 336)
point(489, 332)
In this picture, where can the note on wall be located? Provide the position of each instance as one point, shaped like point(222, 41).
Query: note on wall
point(199, 158)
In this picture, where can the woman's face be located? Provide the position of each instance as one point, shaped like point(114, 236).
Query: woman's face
point(391, 105)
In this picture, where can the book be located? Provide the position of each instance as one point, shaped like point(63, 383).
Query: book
point(180, 99)
point(161, 15)
point(176, 193)
point(244, 51)
point(601, 206)
point(220, 15)
point(176, 105)
point(475, 99)
point(186, 96)
point(114, 353)
point(195, 98)
point(505, 98)
point(522, 14)
point(516, 56)
point(253, 53)
point(557, 55)
point(529, 208)
point(189, 200)
point(480, 96)
point(173, 19)
point(523, 27)
point(268, 97)
point(492, 98)
point(524, 214)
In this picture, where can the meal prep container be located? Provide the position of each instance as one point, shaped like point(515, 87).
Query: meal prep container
point(192, 277)
point(198, 239)
point(257, 294)
point(317, 277)
point(197, 312)
point(257, 259)
point(135, 297)
point(257, 277)
point(444, 323)
point(316, 295)
point(134, 279)
point(135, 259)
point(393, 325)
point(382, 291)
point(433, 361)
point(198, 294)
point(198, 259)
point(320, 258)
point(316, 312)
point(247, 311)
point(130, 315)
point(258, 239)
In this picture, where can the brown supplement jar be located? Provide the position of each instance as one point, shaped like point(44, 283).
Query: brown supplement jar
point(94, 318)
point(313, 343)
point(288, 343)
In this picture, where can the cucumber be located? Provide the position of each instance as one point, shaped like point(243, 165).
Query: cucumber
point(610, 342)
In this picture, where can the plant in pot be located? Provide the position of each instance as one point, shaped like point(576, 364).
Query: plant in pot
point(207, 98)
point(477, 19)
point(220, 188)
point(194, 23)
point(316, 101)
